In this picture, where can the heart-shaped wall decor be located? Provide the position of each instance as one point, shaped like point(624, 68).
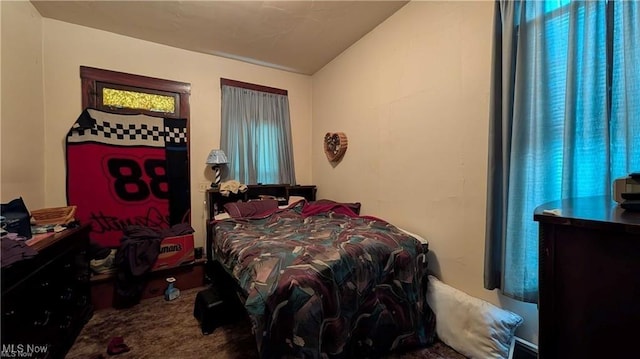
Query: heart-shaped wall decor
point(335, 145)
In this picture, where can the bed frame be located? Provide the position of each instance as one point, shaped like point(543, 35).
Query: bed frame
point(219, 276)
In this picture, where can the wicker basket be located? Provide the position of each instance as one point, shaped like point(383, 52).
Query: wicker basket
point(56, 215)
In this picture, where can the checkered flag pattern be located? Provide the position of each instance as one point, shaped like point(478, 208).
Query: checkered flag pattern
point(131, 132)
point(139, 130)
point(121, 134)
point(177, 135)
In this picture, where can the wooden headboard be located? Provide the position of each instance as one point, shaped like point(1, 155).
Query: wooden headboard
point(217, 200)
point(279, 191)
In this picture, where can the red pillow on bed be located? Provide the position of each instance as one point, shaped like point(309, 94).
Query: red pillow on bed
point(355, 206)
point(250, 209)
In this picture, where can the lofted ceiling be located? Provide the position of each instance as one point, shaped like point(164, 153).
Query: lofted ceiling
point(297, 36)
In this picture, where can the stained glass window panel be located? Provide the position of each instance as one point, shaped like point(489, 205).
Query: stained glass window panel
point(138, 100)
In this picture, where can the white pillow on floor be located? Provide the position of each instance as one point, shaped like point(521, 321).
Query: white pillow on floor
point(471, 326)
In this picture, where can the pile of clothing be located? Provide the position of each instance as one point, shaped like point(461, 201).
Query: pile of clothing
point(232, 186)
point(138, 252)
point(14, 249)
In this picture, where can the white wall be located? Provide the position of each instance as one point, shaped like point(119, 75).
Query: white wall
point(413, 98)
point(22, 112)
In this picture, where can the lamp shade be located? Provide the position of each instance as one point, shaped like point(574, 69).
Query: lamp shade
point(217, 157)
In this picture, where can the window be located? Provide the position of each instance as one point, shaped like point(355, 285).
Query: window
point(120, 97)
point(565, 120)
point(256, 133)
point(124, 93)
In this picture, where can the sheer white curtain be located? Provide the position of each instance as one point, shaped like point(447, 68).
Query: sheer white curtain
point(256, 136)
point(556, 129)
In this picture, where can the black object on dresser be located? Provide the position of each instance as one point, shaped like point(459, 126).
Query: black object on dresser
point(46, 299)
point(589, 301)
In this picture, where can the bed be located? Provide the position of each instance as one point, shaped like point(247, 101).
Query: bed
point(319, 281)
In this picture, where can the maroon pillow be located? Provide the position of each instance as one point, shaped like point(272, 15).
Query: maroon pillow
point(250, 209)
point(355, 206)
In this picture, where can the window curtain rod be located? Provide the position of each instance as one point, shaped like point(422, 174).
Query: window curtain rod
point(250, 86)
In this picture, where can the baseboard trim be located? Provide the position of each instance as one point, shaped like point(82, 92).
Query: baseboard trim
point(524, 350)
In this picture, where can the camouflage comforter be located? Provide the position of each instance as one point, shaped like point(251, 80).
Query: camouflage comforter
point(327, 285)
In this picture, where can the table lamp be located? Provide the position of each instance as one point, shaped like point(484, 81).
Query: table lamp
point(215, 159)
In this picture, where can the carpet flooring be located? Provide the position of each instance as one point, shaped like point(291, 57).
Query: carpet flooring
point(160, 329)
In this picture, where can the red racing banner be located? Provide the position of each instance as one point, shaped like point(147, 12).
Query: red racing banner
point(127, 169)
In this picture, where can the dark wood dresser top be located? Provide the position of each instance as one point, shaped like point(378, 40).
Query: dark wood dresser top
point(590, 212)
point(589, 275)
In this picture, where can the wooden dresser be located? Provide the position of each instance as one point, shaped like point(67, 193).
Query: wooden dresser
point(589, 301)
point(45, 299)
